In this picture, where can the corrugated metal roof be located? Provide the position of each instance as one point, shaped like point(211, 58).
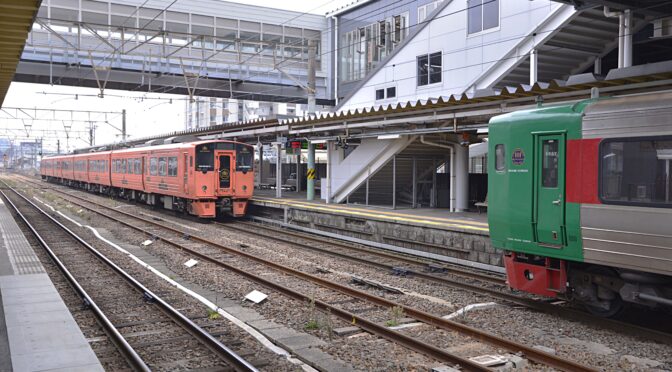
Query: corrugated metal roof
point(635, 74)
point(16, 20)
point(347, 7)
point(617, 77)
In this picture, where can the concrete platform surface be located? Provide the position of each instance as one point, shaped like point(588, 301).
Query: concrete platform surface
point(430, 217)
point(37, 331)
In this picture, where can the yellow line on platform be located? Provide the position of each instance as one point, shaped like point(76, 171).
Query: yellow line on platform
point(384, 215)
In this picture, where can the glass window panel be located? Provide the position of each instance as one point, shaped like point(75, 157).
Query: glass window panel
point(474, 16)
point(490, 14)
point(172, 166)
point(637, 172)
point(549, 163)
point(423, 70)
point(162, 166)
point(435, 68)
point(380, 94)
point(153, 166)
point(391, 92)
point(500, 155)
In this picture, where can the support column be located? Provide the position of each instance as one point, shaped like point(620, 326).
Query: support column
point(394, 182)
point(415, 182)
point(278, 171)
point(310, 174)
point(462, 178)
point(329, 162)
point(533, 66)
point(627, 42)
point(298, 172)
point(260, 171)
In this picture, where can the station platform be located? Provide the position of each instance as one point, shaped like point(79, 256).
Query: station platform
point(37, 331)
point(431, 232)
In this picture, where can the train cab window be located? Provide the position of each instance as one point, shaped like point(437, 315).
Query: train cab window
point(153, 166)
point(636, 171)
point(172, 166)
point(162, 166)
point(499, 157)
point(243, 158)
point(205, 158)
point(549, 163)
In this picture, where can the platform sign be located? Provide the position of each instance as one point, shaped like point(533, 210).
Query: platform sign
point(303, 144)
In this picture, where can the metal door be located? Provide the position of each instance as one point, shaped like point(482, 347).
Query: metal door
point(186, 173)
point(550, 190)
point(224, 171)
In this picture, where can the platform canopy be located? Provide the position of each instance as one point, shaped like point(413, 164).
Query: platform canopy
point(648, 7)
point(16, 20)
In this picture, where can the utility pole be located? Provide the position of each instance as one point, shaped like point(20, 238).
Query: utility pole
point(123, 125)
point(312, 62)
point(91, 134)
point(58, 146)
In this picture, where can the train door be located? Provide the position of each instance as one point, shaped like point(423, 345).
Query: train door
point(185, 177)
point(224, 170)
point(550, 189)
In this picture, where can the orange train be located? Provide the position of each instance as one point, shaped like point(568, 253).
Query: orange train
point(205, 178)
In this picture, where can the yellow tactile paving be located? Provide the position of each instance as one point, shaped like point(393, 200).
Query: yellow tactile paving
point(434, 221)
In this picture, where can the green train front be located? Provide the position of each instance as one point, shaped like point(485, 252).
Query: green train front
point(580, 200)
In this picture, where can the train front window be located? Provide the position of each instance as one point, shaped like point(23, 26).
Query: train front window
point(244, 156)
point(637, 171)
point(205, 157)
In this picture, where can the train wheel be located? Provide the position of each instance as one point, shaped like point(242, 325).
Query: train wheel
point(610, 302)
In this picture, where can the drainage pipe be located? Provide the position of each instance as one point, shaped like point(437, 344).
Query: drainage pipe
point(621, 32)
point(452, 168)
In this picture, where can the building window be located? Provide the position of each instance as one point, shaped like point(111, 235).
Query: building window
point(429, 69)
point(482, 15)
point(391, 92)
point(636, 171)
point(500, 155)
point(380, 94)
point(427, 9)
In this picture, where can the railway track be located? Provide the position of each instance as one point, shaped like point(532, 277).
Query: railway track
point(147, 331)
point(391, 263)
point(188, 243)
point(485, 283)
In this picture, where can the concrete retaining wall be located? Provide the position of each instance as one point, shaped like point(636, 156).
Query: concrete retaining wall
point(463, 245)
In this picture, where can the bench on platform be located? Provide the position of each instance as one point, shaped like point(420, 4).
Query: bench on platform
point(483, 204)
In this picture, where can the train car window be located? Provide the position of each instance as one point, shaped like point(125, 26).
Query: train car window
point(162, 166)
point(172, 166)
point(499, 157)
point(205, 158)
point(636, 171)
point(154, 166)
point(244, 157)
point(549, 163)
point(137, 169)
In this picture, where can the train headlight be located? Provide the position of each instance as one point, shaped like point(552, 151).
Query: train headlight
point(244, 187)
point(204, 188)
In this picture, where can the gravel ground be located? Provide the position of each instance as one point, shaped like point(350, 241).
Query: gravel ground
point(600, 348)
point(187, 305)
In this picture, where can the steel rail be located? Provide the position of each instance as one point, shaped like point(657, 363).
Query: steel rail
point(563, 312)
point(134, 360)
point(531, 353)
point(451, 268)
point(235, 361)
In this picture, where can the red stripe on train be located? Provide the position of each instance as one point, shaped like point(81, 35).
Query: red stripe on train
point(582, 168)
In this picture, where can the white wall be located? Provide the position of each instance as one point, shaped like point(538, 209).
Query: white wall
point(465, 57)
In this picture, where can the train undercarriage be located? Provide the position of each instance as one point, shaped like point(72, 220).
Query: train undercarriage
point(604, 291)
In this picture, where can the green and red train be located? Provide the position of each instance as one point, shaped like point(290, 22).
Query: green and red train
point(580, 200)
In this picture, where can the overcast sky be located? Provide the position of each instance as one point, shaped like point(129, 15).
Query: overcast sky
point(153, 115)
